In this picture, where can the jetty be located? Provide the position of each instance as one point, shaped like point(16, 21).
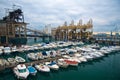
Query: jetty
point(30, 63)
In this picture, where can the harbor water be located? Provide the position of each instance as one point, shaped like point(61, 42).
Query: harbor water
point(105, 68)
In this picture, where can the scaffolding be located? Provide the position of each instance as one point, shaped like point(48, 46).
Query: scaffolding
point(12, 26)
point(74, 32)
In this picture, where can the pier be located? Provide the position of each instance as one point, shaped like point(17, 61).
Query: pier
point(111, 40)
point(30, 63)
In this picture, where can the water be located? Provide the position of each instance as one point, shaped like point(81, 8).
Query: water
point(106, 68)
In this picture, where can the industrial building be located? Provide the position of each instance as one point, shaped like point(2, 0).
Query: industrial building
point(73, 32)
point(13, 27)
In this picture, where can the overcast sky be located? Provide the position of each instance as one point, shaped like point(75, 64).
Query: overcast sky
point(105, 13)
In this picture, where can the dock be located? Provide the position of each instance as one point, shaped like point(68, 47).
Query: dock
point(30, 63)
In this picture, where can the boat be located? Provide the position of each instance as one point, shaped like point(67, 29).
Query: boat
point(12, 60)
point(7, 50)
point(21, 71)
point(32, 70)
point(71, 62)
point(2, 62)
point(42, 68)
point(62, 63)
point(40, 55)
point(21, 49)
point(14, 49)
point(72, 58)
point(19, 59)
point(6, 63)
point(1, 51)
point(32, 56)
point(82, 59)
point(52, 65)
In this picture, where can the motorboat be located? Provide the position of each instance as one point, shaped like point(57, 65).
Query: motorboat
point(42, 68)
point(72, 58)
point(12, 60)
point(21, 71)
point(2, 62)
point(71, 62)
point(32, 56)
point(14, 49)
point(5, 62)
point(87, 56)
point(19, 59)
point(82, 59)
point(40, 55)
point(45, 54)
point(7, 50)
point(75, 59)
point(66, 56)
point(1, 51)
point(52, 65)
point(32, 70)
point(62, 63)
point(21, 49)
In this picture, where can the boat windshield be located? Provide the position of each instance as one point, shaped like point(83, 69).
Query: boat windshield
point(22, 70)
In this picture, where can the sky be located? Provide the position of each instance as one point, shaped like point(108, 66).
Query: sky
point(38, 13)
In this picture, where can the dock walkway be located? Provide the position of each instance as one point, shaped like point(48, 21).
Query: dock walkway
point(30, 63)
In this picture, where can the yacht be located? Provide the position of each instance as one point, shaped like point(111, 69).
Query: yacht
point(52, 65)
point(7, 50)
point(32, 56)
point(62, 63)
point(71, 62)
point(1, 51)
point(42, 68)
point(14, 49)
point(21, 71)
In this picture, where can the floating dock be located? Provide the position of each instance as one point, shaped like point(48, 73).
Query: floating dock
point(30, 63)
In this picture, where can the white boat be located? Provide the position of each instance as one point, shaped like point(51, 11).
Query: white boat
point(6, 63)
point(62, 63)
point(52, 65)
point(21, 49)
point(2, 62)
point(1, 51)
point(82, 59)
point(72, 58)
point(32, 70)
point(21, 71)
point(75, 59)
point(71, 62)
point(7, 50)
point(32, 56)
point(39, 55)
point(42, 68)
point(14, 49)
point(19, 59)
point(88, 57)
point(12, 60)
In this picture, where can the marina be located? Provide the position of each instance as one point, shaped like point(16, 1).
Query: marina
point(52, 42)
point(74, 55)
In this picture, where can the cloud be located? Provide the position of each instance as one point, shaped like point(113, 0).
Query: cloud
point(41, 12)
